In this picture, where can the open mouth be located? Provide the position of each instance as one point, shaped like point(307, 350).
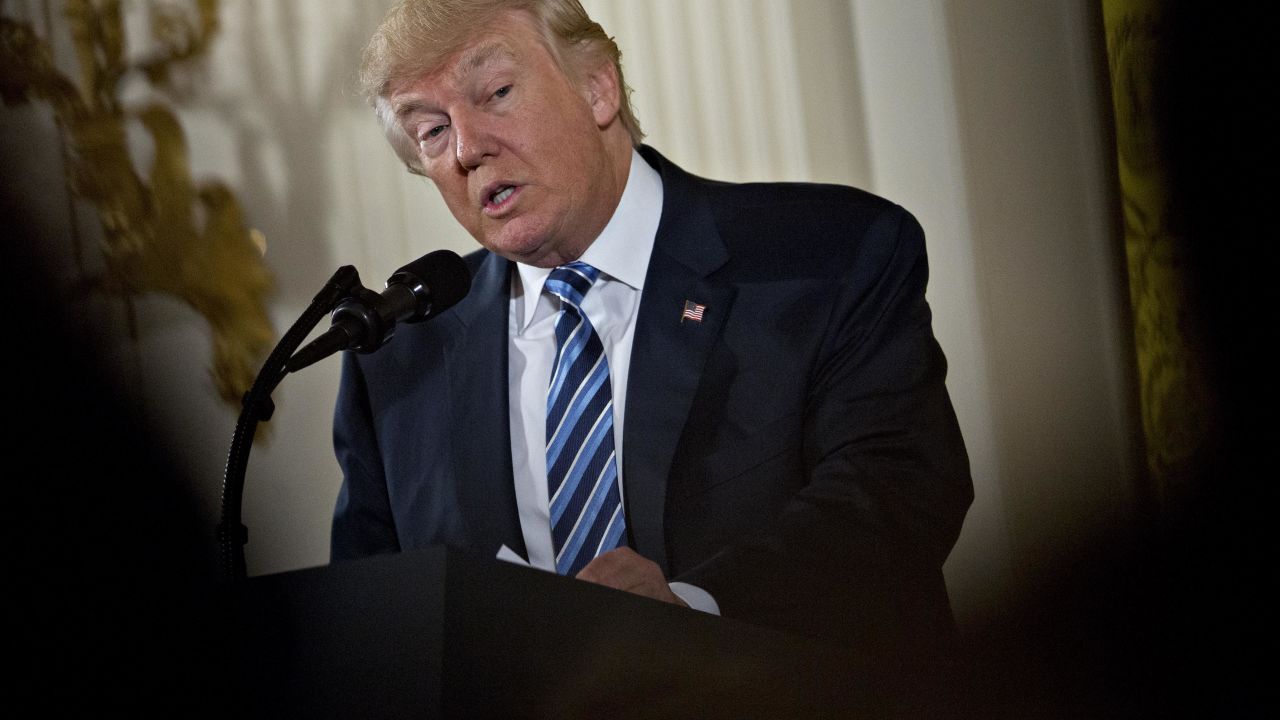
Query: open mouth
point(501, 194)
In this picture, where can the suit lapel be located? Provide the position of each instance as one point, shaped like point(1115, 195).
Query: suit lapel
point(668, 354)
point(480, 408)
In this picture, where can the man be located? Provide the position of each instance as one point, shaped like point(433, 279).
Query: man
point(725, 396)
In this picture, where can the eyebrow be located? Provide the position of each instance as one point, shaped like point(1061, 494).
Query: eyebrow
point(478, 57)
point(470, 61)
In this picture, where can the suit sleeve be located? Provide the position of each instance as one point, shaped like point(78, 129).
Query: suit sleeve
point(362, 522)
point(856, 552)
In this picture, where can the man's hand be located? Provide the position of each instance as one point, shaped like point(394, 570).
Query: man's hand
point(625, 569)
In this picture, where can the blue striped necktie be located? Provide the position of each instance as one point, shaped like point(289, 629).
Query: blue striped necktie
point(582, 471)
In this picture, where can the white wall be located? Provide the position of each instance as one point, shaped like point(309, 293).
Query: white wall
point(1048, 267)
point(980, 117)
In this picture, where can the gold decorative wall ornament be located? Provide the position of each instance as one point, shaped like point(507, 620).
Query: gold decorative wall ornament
point(162, 232)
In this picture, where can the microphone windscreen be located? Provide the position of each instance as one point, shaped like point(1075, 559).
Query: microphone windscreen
point(443, 273)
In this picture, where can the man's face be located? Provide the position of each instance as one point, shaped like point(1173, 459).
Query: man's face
point(515, 148)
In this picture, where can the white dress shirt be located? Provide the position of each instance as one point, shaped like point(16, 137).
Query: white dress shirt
point(621, 254)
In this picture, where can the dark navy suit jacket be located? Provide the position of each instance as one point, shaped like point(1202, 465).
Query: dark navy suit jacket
point(794, 453)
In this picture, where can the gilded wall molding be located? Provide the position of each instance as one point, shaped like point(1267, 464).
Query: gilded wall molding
point(162, 231)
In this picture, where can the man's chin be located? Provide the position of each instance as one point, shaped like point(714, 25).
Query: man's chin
point(535, 252)
point(534, 257)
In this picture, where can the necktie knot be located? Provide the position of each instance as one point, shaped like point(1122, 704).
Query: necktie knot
point(571, 282)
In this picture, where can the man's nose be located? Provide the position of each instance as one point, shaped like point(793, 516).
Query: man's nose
point(473, 140)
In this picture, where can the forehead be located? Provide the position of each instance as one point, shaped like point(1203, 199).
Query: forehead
point(510, 39)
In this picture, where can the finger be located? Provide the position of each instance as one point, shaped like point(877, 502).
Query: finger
point(607, 565)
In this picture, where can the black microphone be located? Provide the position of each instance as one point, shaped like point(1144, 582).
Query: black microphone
point(365, 321)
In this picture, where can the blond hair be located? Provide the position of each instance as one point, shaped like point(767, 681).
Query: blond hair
point(416, 35)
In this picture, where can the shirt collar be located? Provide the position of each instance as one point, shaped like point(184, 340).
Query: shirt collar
point(621, 251)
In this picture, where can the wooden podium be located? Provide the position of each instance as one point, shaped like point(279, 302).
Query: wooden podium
point(436, 633)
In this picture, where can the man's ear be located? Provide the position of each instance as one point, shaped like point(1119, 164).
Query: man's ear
point(602, 93)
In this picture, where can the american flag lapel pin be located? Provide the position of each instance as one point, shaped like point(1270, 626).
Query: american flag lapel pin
point(692, 311)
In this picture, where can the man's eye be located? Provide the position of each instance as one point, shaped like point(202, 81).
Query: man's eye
point(433, 132)
point(503, 91)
